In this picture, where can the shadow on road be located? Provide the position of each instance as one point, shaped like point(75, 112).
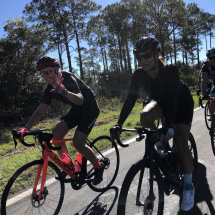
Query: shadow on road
point(203, 196)
point(103, 203)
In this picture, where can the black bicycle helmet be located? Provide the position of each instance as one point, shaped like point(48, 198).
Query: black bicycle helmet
point(145, 44)
point(210, 51)
point(47, 61)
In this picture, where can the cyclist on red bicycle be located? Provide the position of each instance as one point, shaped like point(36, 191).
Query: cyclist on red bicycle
point(208, 75)
point(170, 98)
point(69, 89)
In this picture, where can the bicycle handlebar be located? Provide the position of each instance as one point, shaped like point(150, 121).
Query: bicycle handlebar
point(121, 144)
point(18, 136)
point(112, 131)
point(141, 131)
point(37, 133)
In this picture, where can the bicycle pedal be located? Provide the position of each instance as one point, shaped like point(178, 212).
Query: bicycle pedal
point(88, 180)
point(68, 180)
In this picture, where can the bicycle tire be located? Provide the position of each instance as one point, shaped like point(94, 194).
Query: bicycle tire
point(206, 111)
point(127, 198)
point(212, 131)
point(16, 198)
point(193, 150)
point(110, 156)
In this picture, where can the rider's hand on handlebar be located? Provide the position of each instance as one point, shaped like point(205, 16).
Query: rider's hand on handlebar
point(22, 132)
point(167, 133)
point(116, 131)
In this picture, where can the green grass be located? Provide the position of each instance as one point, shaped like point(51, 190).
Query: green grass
point(10, 163)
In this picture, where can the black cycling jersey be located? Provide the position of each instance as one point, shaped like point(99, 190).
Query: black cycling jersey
point(83, 116)
point(209, 70)
point(167, 89)
point(73, 84)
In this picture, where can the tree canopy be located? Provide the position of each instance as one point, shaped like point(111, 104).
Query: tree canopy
point(106, 63)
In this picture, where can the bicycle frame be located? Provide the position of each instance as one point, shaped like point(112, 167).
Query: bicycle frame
point(152, 156)
point(47, 152)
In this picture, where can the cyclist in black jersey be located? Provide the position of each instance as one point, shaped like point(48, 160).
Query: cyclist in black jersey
point(68, 88)
point(171, 98)
point(199, 83)
point(208, 76)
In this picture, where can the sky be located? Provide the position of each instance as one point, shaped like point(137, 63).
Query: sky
point(14, 8)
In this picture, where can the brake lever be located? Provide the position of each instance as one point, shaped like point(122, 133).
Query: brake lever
point(15, 142)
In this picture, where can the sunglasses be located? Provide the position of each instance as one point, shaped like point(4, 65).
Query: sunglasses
point(47, 71)
point(210, 58)
point(145, 56)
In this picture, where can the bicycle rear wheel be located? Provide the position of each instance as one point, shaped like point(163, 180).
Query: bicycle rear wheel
point(193, 149)
point(212, 133)
point(207, 115)
point(17, 199)
point(129, 203)
point(109, 155)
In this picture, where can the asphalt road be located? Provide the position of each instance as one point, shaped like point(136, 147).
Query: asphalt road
point(86, 201)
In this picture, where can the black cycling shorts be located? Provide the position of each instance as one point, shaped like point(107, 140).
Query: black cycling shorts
point(184, 114)
point(84, 116)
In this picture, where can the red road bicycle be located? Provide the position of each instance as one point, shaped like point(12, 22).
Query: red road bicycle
point(33, 188)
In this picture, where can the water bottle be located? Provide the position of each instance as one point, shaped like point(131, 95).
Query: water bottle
point(78, 163)
point(65, 158)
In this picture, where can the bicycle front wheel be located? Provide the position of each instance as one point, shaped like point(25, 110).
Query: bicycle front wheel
point(17, 197)
point(134, 197)
point(108, 153)
point(207, 114)
point(193, 149)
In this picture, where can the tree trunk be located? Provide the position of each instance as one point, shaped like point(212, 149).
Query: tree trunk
point(120, 53)
point(60, 54)
point(198, 49)
point(79, 51)
point(103, 60)
point(210, 39)
point(128, 57)
point(186, 61)
point(106, 60)
point(134, 41)
point(124, 56)
point(67, 49)
point(174, 45)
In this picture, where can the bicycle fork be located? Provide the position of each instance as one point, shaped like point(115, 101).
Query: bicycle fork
point(151, 197)
point(41, 168)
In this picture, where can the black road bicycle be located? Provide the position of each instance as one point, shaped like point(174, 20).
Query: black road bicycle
point(146, 182)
